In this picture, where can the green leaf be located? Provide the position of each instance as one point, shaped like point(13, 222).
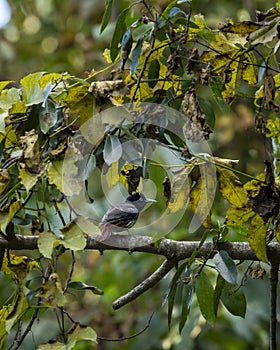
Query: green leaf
point(47, 241)
point(218, 292)
point(32, 92)
point(74, 238)
point(78, 333)
point(153, 73)
point(207, 108)
point(205, 297)
point(107, 15)
point(187, 294)
point(46, 93)
point(234, 299)
point(82, 286)
point(135, 56)
point(172, 290)
point(112, 149)
point(225, 266)
point(257, 237)
point(118, 34)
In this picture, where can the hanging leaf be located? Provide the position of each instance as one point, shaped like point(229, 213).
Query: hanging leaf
point(107, 15)
point(180, 189)
point(4, 179)
point(118, 34)
point(47, 116)
point(153, 73)
point(135, 56)
point(19, 307)
point(170, 295)
point(202, 196)
point(205, 297)
point(231, 187)
point(225, 266)
point(187, 295)
point(112, 151)
point(126, 46)
point(257, 237)
point(234, 299)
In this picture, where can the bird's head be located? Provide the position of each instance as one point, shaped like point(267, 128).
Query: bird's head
point(139, 200)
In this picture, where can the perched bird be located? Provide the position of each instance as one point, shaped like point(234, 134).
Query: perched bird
point(122, 216)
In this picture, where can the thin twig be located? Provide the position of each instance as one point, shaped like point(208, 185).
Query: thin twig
point(130, 336)
point(273, 305)
point(148, 283)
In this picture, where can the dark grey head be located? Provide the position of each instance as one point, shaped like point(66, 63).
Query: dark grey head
point(139, 200)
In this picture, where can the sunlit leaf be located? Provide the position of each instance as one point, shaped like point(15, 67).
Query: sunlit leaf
point(28, 179)
point(205, 297)
point(51, 293)
point(47, 241)
point(238, 217)
point(225, 266)
point(53, 346)
point(112, 174)
point(231, 187)
point(257, 237)
point(32, 93)
point(74, 238)
point(78, 332)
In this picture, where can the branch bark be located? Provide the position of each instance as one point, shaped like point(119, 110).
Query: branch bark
point(172, 250)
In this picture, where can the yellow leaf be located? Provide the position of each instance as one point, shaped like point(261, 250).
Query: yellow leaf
point(203, 193)
point(257, 237)
point(64, 175)
point(238, 217)
point(180, 189)
point(28, 179)
point(4, 179)
point(112, 174)
point(6, 216)
point(51, 294)
point(231, 188)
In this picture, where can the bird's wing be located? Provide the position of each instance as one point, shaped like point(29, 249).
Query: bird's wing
point(117, 216)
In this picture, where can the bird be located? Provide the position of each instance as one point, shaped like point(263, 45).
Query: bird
point(122, 216)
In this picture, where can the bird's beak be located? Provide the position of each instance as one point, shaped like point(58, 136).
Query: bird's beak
point(149, 200)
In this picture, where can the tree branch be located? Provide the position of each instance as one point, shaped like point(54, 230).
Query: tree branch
point(172, 250)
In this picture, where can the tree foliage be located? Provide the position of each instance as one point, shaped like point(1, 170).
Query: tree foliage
point(59, 134)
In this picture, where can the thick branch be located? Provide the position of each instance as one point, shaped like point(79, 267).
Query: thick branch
point(172, 250)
